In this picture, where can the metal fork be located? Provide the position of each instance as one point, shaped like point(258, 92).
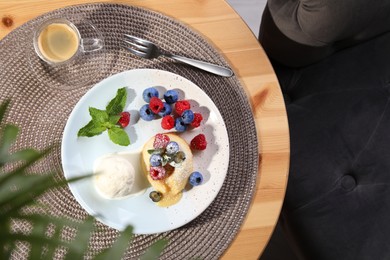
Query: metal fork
point(149, 50)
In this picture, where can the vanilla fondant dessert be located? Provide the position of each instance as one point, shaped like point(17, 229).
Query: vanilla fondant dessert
point(167, 162)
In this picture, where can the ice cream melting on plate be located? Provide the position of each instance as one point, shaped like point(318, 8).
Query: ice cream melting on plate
point(119, 175)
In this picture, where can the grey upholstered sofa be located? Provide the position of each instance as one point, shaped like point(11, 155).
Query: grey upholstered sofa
point(332, 58)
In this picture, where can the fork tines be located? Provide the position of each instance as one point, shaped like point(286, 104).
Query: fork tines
point(134, 45)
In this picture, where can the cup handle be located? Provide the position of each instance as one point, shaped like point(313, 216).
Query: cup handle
point(90, 45)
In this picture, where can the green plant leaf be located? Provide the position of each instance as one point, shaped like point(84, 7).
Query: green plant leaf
point(114, 119)
point(3, 108)
point(39, 231)
point(117, 104)
point(155, 250)
point(19, 189)
point(84, 232)
point(50, 254)
point(156, 151)
point(33, 239)
point(26, 154)
point(8, 136)
point(98, 116)
point(118, 136)
point(26, 188)
point(27, 162)
point(91, 129)
point(118, 249)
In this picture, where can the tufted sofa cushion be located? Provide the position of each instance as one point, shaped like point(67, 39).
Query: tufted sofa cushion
point(337, 204)
point(301, 32)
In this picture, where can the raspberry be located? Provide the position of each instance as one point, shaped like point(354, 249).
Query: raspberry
point(156, 105)
point(199, 142)
point(197, 119)
point(167, 122)
point(157, 173)
point(124, 120)
point(160, 141)
point(182, 105)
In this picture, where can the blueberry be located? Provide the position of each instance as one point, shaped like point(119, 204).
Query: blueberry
point(145, 113)
point(172, 148)
point(156, 196)
point(166, 110)
point(196, 178)
point(156, 160)
point(171, 96)
point(187, 116)
point(180, 126)
point(179, 157)
point(149, 93)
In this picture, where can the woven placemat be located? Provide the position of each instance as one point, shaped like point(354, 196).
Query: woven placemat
point(41, 110)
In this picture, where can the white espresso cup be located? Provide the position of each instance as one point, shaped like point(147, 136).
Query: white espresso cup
point(58, 42)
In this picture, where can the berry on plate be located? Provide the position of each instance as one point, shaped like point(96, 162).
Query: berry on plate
point(156, 196)
point(149, 93)
point(196, 178)
point(187, 116)
point(181, 106)
point(124, 120)
point(180, 126)
point(171, 96)
point(168, 122)
point(198, 142)
point(197, 119)
point(146, 113)
point(156, 160)
point(156, 105)
point(160, 141)
point(179, 157)
point(157, 173)
point(172, 148)
point(166, 110)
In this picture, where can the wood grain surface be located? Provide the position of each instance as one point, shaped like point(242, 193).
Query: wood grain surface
point(227, 32)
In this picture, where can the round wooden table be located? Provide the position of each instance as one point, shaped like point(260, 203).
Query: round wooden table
point(223, 28)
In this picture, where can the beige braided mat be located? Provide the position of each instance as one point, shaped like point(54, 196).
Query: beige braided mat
point(40, 108)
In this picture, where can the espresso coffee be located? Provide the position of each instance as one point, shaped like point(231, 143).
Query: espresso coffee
point(58, 42)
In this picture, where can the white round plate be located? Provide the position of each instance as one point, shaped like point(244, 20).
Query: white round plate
point(79, 153)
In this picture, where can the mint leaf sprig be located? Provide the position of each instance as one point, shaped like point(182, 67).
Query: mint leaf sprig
point(103, 120)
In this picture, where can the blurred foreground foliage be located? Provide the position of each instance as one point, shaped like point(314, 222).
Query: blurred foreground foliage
point(19, 190)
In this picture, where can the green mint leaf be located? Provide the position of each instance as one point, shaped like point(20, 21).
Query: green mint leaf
point(117, 104)
point(166, 159)
point(118, 136)
point(91, 129)
point(108, 125)
point(156, 151)
point(113, 119)
point(98, 116)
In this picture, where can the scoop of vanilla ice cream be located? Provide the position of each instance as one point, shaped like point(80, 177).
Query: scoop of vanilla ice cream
point(114, 176)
